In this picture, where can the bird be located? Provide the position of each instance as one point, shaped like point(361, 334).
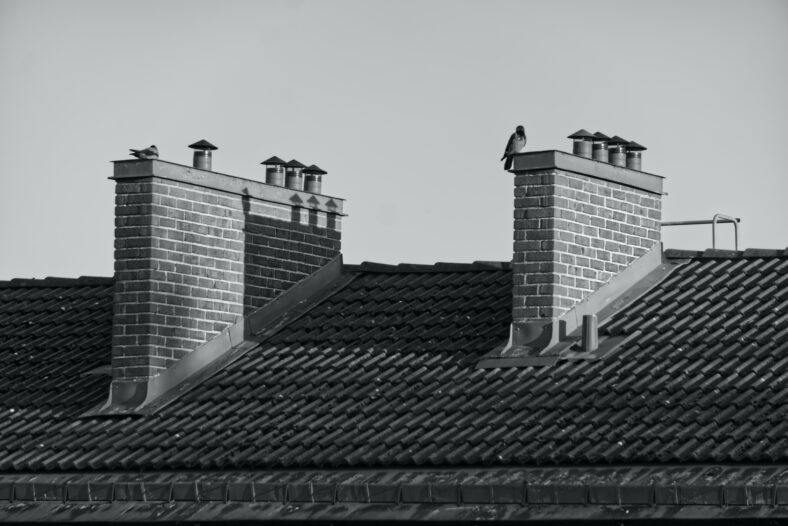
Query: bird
point(515, 145)
point(148, 153)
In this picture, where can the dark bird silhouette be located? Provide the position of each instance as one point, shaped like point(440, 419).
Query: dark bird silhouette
point(515, 145)
point(147, 153)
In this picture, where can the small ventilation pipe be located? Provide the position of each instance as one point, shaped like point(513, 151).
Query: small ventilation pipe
point(294, 175)
point(618, 151)
point(313, 179)
point(600, 152)
point(590, 333)
point(274, 171)
point(202, 154)
point(634, 160)
point(582, 143)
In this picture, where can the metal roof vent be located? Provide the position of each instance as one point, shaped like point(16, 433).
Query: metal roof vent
point(634, 160)
point(202, 154)
point(582, 143)
point(600, 152)
point(274, 171)
point(618, 151)
point(313, 180)
point(294, 176)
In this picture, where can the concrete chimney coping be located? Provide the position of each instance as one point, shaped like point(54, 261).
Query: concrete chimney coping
point(135, 169)
point(557, 160)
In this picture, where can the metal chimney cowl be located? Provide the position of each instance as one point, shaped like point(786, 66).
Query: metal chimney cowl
point(202, 154)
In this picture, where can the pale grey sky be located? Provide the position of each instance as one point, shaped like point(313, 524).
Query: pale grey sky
point(407, 104)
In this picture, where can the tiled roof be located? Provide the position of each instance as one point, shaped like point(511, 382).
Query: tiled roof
point(52, 333)
point(382, 373)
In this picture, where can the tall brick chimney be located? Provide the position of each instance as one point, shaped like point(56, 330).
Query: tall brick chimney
point(195, 250)
point(577, 223)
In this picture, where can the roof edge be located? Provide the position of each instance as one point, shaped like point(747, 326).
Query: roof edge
point(476, 266)
point(57, 282)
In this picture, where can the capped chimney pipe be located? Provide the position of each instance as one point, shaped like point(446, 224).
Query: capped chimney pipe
point(274, 171)
point(294, 177)
point(202, 154)
point(313, 181)
point(618, 153)
point(582, 143)
point(590, 333)
point(634, 160)
point(600, 151)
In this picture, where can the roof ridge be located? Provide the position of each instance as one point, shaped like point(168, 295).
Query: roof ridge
point(718, 253)
point(50, 281)
point(440, 266)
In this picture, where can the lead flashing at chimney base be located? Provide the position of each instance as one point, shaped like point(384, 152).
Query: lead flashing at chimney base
point(577, 223)
point(196, 250)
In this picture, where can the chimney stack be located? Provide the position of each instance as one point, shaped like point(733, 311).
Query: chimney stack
point(577, 223)
point(618, 151)
point(600, 151)
point(274, 171)
point(582, 141)
point(634, 160)
point(294, 177)
point(196, 252)
point(202, 154)
point(313, 181)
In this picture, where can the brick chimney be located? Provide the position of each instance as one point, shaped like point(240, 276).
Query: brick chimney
point(577, 223)
point(195, 250)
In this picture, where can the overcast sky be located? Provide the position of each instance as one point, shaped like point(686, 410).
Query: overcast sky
point(407, 105)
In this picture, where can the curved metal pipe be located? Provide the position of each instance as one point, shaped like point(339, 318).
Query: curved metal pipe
point(714, 230)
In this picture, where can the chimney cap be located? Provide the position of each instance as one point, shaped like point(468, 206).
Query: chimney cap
point(618, 140)
point(274, 161)
point(294, 164)
point(581, 134)
point(202, 144)
point(314, 169)
point(601, 136)
point(635, 147)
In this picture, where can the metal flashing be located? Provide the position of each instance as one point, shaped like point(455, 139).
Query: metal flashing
point(557, 160)
point(553, 337)
point(137, 169)
point(145, 396)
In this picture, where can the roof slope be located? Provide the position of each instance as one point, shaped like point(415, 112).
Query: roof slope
point(52, 332)
point(383, 373)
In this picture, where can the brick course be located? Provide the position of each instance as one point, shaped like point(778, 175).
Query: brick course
point(190, 261)
point(572, 233)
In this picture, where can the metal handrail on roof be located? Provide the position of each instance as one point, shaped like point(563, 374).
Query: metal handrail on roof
point(718, 218)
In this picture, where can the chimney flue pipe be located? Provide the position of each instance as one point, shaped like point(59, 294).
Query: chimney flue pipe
point(600, 151)
point(294, 176)
point(582, 143)
point(202, 154)
point(634, 158)
point(618, 153)
point(274, 171)
point(313, 179)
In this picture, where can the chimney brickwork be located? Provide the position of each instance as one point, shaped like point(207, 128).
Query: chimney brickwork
point(577, 223)
point(196, 250)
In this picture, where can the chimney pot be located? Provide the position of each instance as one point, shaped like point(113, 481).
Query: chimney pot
point(294, 176)
point(600, 151)
point(582, 143)
point(313, 180)
point(202, 154)
point(618, 154)
point(634, 160)
point(274, 171)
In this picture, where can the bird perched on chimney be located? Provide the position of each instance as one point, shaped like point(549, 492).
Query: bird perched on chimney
point(148, 153)
point(515, 145)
